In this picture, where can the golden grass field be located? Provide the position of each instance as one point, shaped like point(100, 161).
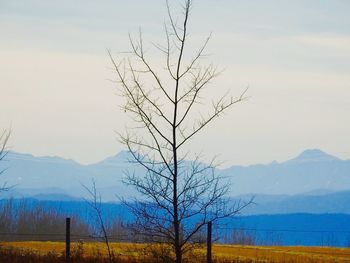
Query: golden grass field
point(221, 253)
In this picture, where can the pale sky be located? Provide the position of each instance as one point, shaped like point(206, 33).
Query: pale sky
point(294, 56)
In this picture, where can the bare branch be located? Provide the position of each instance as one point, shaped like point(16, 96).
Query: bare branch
point(219, 107)
point(197, 57)
point(137, 103)
point(172, 23)
point(95, 204)
point(4, 138)
point(138, 51)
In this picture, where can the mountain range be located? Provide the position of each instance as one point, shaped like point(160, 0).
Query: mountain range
point(311, 173)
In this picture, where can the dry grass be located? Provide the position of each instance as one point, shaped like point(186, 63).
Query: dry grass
point(127, 253)
point(87, 249)
point(282, 254)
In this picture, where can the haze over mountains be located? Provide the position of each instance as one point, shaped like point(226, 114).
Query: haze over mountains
point(306, 183)
point(312, 170)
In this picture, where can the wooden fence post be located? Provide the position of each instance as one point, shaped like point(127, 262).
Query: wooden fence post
point(68, 240)
point(209, 243)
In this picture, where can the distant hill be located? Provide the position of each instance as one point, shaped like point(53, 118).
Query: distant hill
point(311, 170)
point(315, 203)
point(308, 172)
point(34, 175)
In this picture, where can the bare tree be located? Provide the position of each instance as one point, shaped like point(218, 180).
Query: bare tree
point(95, 204)
point(179, 197)
point(4, 137)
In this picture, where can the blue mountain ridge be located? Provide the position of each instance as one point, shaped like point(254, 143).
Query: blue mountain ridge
point(310, 171)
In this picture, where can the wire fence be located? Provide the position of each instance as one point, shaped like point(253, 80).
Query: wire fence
point(5, 236)
point(220, 235)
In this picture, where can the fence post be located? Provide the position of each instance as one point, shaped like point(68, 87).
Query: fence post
point(68, 240)
point(209, 243)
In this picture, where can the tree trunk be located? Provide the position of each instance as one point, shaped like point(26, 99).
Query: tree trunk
point(178, 254)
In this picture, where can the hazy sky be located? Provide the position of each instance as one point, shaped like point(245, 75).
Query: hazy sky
point(294, 55)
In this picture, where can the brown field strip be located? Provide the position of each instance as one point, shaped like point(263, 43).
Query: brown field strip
point(283, 254)
point(222, 253)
